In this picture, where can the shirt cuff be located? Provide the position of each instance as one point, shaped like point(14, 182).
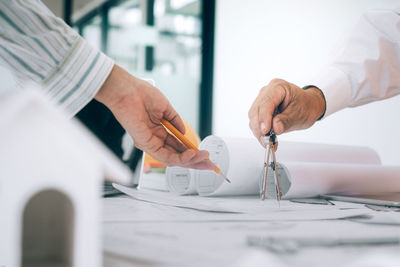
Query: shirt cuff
point(78, 77)
point(336, 88)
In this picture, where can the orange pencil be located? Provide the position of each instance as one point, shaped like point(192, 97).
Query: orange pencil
point(178, 135)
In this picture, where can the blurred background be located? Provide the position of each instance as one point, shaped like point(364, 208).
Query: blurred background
point(210, 58)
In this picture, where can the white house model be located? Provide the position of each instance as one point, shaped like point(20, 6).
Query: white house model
point(50, 185)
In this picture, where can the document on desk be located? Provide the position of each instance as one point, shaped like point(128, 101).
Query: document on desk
point(167, 199)
point(242, 208)
point(213, 243)
point(304, 169)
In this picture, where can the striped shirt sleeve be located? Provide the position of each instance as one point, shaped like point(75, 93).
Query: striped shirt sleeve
point(37, 46)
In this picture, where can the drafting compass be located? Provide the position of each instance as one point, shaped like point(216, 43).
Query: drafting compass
point(270, 139)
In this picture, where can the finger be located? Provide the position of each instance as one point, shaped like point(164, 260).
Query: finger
point(255, 128)
point(173, 150)
point(294, 117)
point(199, 157)
point(265, 114)
point(188, 159)
point(274, 96)
point(203, 165)
point(173, 117)
point(174, 143)
point(166, 155)
point(166, 139)
point(253, 122)
point(199, 161)
point(280, 123)
point(289, 120)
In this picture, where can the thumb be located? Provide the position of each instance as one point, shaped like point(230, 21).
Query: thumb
point(283, 122)
point(173, 117)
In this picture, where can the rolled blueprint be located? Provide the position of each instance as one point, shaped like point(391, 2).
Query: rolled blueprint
point(180, 180)
point(240, 159)
point(314, 152)
point(307, 179)
point(305, 169)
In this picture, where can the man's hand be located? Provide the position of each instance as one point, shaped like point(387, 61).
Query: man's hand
point(139, 107)
point(297, 108)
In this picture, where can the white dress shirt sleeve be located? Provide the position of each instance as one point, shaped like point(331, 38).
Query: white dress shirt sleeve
point(367, 67)
point(37, 46)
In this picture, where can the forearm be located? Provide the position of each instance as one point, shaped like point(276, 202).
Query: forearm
point(39, 47)
point(368, 65)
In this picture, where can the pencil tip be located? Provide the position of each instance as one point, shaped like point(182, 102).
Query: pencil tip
point(226, 178)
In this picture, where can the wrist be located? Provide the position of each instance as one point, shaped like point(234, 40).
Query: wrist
point(318, 100)
point(118, 84)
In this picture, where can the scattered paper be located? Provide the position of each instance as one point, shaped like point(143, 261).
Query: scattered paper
point(242, 208)
point(223, 243)
point(171, 200)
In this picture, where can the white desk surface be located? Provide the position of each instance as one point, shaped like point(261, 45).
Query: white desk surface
point(137, 233)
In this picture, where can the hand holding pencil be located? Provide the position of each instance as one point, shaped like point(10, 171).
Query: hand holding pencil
point(139, 108)
point(178, 135)
point(189, 156)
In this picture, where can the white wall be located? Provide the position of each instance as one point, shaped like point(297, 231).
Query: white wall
point(258, 40)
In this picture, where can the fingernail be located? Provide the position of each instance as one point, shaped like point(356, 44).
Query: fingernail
point(263, 128)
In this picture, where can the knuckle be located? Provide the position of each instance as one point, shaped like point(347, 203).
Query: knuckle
point(267, 100)
point(262, 90)
point(280, 118)
point(277, 81)
point(286, 122)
